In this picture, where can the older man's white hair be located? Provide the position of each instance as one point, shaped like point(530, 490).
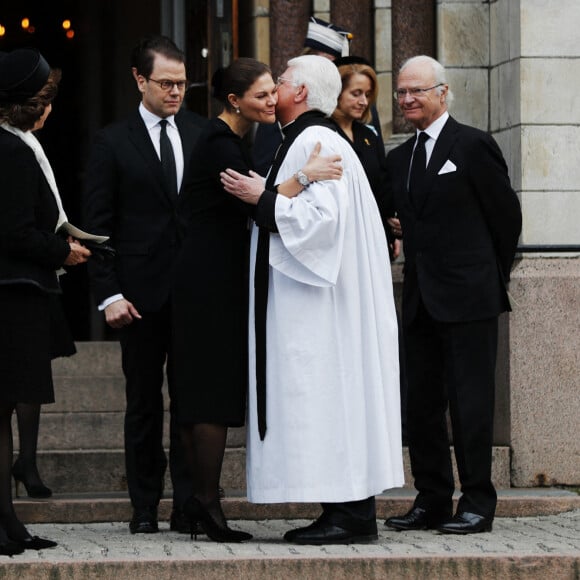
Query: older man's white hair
point(322, 79)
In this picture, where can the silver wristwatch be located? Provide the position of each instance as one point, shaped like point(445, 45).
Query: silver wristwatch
point(302, 178)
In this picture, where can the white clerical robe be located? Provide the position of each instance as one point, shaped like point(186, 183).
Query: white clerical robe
point(332, 407)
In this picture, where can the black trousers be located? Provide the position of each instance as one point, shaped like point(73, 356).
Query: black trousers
point(352, 515)
point(451, 364)
point(145, 347)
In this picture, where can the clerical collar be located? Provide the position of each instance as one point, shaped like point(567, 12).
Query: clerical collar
point(301, 121)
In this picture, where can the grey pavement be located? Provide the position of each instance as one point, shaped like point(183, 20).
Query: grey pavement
point(526, 547)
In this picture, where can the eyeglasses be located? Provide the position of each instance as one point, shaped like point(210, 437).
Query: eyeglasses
point(400, 94)
point(167, 85)
point(282, 80)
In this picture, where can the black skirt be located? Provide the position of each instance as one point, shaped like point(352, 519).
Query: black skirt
point(34, 331)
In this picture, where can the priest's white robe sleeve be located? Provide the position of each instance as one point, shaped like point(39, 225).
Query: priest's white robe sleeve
point(311, 226)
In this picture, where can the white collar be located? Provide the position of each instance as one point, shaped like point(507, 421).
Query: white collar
point(435, 128)
point(150, 119)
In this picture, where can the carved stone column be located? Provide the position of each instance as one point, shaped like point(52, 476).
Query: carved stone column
point(413, 25)
point(288, 25)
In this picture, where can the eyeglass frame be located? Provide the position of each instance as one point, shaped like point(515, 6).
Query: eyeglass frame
point(181, 85)
point(414, 92)
point(281, 80)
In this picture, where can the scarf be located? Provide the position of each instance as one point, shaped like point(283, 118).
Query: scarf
point(34, 144)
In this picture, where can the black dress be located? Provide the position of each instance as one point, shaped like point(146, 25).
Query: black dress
point(210, 292)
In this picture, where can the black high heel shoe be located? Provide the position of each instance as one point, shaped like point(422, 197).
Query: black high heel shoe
point(34, 490)
point(217, 531)
point(35, 543)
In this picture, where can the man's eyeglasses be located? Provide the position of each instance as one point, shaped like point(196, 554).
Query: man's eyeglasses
point(400, 94)
point(167, 85)
point(282, 80)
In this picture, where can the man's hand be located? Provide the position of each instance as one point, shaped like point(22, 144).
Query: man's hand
point(319, 168)
point(396, 249)
point(395, 225)
point(120, 313)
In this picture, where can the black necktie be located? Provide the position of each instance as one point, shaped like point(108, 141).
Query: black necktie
point(418, 167)
point(167, 159)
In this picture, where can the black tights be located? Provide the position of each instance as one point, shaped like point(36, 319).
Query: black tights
point(9, 522)
point(28, 415)
point(205, 445)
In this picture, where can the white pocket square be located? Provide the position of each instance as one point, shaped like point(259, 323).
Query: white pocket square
point(448, 167)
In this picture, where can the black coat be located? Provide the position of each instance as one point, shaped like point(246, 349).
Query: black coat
point(371, 151)
point(460, 242)
point(126, 199)
point(30, 251)
point(33, 328)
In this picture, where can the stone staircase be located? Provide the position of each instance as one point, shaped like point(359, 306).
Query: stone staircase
point(81, 459)
point(81, 435)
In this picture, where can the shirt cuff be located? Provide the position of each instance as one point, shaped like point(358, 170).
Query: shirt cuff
point(109, 300)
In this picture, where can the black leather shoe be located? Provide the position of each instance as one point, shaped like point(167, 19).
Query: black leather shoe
point(291, 534)
point(144, 521)
point(320, 533)
point(466, 523)
point(416, 519)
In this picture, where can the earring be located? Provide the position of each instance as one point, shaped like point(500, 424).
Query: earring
point(238, 110)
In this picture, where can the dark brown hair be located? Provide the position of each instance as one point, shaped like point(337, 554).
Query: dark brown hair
point(237, 78)
point(24, 115)
point(144, 53)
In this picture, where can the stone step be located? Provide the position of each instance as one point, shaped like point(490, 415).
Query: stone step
point(115, 507)
point(92, 359)
point(103, 470)
point(519, 548)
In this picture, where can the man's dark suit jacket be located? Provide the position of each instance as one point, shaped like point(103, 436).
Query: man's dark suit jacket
point(126, 199)
point(460, 241)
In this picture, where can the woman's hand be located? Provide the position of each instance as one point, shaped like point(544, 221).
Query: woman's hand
point(78, 253)
point(319, 168)
point(247, 188)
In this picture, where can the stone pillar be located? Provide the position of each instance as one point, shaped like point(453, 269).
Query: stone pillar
point(288, 25)
point(535, 117)
point(356, 17)
point(413, 34)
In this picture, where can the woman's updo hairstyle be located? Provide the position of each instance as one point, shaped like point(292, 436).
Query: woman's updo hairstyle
point(236, 79)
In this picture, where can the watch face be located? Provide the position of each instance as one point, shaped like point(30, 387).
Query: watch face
point(302, 179)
